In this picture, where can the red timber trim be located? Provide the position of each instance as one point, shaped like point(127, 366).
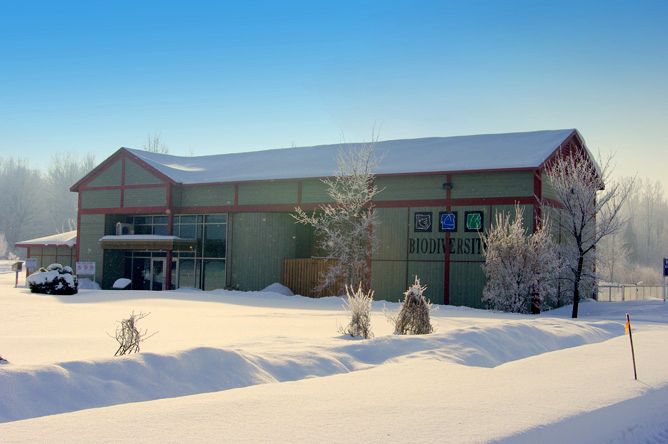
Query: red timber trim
point(127, 187)
point(78, 227)
point(122, 182)
point(446, 261)
point(170, 231)
point(126, 210)
point(123, 154)
point(525, 200)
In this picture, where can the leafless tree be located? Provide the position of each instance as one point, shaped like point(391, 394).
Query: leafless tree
point(155, 144)
point(21, 200)
point(129, 336)
point(586, 209)
point(64, 170)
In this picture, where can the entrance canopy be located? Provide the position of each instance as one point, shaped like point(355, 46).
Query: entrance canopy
point(147, 242)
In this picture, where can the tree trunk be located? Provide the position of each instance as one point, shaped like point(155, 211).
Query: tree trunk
point(576, 287)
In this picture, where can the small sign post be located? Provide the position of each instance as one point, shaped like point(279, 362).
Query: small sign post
point(665, 274)
point(18, 267)
point(31, 264)
point(85, 269)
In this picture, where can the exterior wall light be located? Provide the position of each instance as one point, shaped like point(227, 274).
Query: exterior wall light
point(447, 186)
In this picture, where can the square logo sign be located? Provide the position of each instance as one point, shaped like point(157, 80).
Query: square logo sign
point(423, 222)
point(474, 221)
point(448, 221)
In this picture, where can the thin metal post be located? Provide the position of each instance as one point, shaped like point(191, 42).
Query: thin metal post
point(633, 355)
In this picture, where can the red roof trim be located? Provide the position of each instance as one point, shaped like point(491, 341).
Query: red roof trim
point(122, 153)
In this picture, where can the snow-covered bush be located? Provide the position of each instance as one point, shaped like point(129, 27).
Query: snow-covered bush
point(359, 306)
point(414, 317)
point(55, 279)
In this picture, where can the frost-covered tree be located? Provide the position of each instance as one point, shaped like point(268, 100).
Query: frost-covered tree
point(521, 268)
point(21, 201)
point(586, 208)
point(358, 304)
point(63, 171)
point(343, 228)
point(3, 246)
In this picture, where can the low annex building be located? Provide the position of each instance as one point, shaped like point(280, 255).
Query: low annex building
point(224, 221)
point(55, 249)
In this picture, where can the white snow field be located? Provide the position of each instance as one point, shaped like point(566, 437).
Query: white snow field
point(262, 367)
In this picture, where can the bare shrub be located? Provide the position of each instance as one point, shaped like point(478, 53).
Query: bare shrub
point(359, 307)
point(129, 336)
point(414, 317)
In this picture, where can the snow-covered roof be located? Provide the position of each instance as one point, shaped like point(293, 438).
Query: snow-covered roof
point(68, 239)
point(426, 155)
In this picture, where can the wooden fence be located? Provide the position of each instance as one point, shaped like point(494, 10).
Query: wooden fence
point(303, 276)
point(621, 293)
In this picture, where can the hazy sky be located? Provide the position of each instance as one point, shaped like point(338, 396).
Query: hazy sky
point(213, 77)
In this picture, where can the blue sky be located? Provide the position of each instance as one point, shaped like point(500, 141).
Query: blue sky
point(215, 77)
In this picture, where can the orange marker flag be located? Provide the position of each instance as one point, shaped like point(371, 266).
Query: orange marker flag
point(628, 325)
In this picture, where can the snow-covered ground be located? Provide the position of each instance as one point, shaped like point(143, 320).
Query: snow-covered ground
point(260, 367)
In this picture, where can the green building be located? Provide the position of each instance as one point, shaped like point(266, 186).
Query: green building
point(225, 221)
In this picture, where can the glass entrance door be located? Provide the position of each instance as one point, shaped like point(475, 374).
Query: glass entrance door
point(157, 274)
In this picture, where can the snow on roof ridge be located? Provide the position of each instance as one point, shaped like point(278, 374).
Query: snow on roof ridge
point(402, 156)
point(68, 238)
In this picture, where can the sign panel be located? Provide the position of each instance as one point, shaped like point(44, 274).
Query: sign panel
point(665, 267)
point(85, 268)
point(474, 221)
point(448, 221)
point(422, 222)
point(31, 264)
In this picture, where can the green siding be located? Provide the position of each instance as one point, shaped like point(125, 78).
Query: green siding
point(101, 198)
point(260, 241)
point(315, 191)
point(546, 188)
point(268, 193)
point(111, 176)
point(467, 281)
point(510, 209)
point(136, 175)
point(410, 188)
point(91, 229)
point(504, 184)
point(177, 196)
point(388, 280)
point(390, 233)
point(113, 267)
point(206, 196)
point(145, 197)
point(431, 275)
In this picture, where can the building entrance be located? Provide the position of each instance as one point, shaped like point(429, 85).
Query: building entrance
point(148, 273)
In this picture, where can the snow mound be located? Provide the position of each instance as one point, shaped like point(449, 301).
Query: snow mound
point(87, 284)
point(278, 288)
point(122, 284)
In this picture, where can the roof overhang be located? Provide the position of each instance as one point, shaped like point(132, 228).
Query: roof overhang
point(148, 242)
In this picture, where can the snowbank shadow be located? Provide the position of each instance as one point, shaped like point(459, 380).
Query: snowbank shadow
point(32, 391)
